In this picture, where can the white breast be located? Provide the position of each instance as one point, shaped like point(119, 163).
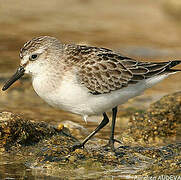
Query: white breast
point(70, 96)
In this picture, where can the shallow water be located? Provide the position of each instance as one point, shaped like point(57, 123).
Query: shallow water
point(137, 29)
point(11, 169)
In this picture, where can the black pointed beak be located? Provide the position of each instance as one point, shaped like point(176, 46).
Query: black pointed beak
point(20, 72)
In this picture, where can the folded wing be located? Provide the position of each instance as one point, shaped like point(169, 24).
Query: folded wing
point(105, 71)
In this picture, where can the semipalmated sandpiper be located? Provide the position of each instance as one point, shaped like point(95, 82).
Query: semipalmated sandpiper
point(86, 80)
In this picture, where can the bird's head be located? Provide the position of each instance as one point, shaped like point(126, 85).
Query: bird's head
point(35, 56)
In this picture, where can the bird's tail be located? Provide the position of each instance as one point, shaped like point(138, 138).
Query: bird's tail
point(158, 68)
point(171, 65)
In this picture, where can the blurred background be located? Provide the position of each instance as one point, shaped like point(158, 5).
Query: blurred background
point(147, 30)
point(137, 28)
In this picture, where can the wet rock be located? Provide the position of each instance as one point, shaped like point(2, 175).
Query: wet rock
point(41, 145)
point(18, 131)
point(160, 123)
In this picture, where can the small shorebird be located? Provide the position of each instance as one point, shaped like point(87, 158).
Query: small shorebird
point(86, 80)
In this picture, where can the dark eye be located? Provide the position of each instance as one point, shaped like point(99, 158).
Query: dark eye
point(33, 57)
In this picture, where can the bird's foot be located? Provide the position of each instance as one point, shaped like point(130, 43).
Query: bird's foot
point(77, 146)
point(110, 145)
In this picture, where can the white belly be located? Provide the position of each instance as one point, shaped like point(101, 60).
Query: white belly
point(75, 98)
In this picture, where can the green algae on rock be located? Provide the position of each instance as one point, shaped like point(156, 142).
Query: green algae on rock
point(18, 131)
point(40, 145)
point(160, 123)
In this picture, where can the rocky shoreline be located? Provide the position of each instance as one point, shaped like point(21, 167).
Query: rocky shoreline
point(151, 143)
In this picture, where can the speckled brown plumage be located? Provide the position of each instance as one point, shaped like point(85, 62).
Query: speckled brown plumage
point(102, 70)
point(37, 42)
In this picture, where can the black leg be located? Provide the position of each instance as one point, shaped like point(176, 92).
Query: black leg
point(101, 125)
point(114, 114)
point(112, 140)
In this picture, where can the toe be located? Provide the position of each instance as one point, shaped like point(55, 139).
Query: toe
point(77, 146)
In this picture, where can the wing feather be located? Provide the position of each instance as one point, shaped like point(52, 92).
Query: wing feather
point(102, 70)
